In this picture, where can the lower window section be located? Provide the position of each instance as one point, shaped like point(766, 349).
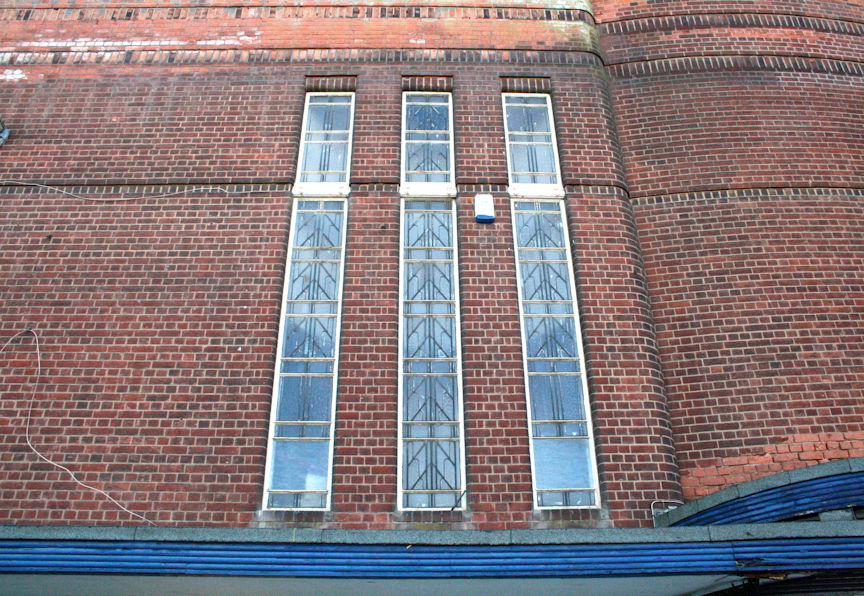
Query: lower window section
point(562, 449)
point(301, 432)
point(431, 472)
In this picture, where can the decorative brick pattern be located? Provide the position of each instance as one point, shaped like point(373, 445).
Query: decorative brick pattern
point(526, 85)
point(621, 10)
point(430, 83)
point(699, 131)
point(331, 83)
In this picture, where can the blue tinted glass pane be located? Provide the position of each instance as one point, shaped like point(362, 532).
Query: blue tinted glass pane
point(524, 118)
point(322, 158)
point(430, 337)
point(428, 398)
point(430, 230)
point(309, 337)
point(562, 463)
point(431, 465)
point(427, 157)
point(427, 117)
point(429, 281)
point(546, 281)
point(318, 230)
point(539, 230)
point(314, 281)
point(550, 337)
point(300, 465)
point(305, 398)
point(556, 397)
point(328, 117)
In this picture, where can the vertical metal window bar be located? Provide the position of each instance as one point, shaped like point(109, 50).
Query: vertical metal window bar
point(531, 150)
point(431, 472)
point(427, 138)
point(326, 138)
point(562, 447)
point(304, 390)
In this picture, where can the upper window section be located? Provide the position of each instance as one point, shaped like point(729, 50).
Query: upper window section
point(532, 152)
point(325, 147)
point(427, 145)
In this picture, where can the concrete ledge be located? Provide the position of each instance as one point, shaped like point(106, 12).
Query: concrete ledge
point(439, 537)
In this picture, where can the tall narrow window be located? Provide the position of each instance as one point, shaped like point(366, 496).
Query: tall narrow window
point(304, 390)
point(559, 419)
point(325, 147)
point(431, 472)
point(532, 152)
point(427, 145)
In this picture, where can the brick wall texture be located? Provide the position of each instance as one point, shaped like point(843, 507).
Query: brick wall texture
point(713, 165)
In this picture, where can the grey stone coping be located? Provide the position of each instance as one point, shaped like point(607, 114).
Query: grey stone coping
point(440, 537)
point(834, 468)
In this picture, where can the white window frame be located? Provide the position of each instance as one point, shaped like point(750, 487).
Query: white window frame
point(400, 493)
point(324, 189)
point(427, 189)
point(268, 475)
point(522, 189)
point(581, 359)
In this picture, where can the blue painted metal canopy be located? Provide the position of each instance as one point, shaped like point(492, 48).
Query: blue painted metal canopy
point(425, 561)
point(827, 493)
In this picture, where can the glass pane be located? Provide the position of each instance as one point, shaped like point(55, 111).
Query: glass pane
point(300, 465)
point(305, 398)
point(525, 118)
point(431, 465)
point(550, 337)
point(428, 398)
point(566, 499)
point(562, 463)
point(430, 337)
point(546, 281)
point(298, 501)
point(427, 157)
point(427, 117)
point(318, 230)
point(429, 281)
point(309, 337)
point(319, 431)
point(428, 230)
point(314, 281)
point(320, 158)
point(539, 230)
point(532, 158)
point(306, 367)
point(328, 117)
point(556, 397)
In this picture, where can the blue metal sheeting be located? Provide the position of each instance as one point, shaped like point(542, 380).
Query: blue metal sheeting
point(400, 561)
point(785, 502)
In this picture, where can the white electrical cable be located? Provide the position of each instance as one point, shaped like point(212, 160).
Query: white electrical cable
point(27, 429)
point(117, 199)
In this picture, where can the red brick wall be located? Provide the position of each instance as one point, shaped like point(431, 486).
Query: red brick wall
point(722, 328)
point(180, 458)
point(758, 298)
point(757, 293)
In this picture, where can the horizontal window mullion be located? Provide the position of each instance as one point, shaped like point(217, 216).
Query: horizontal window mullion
point(298, 492)
point(307, 439)
point(432, 439)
